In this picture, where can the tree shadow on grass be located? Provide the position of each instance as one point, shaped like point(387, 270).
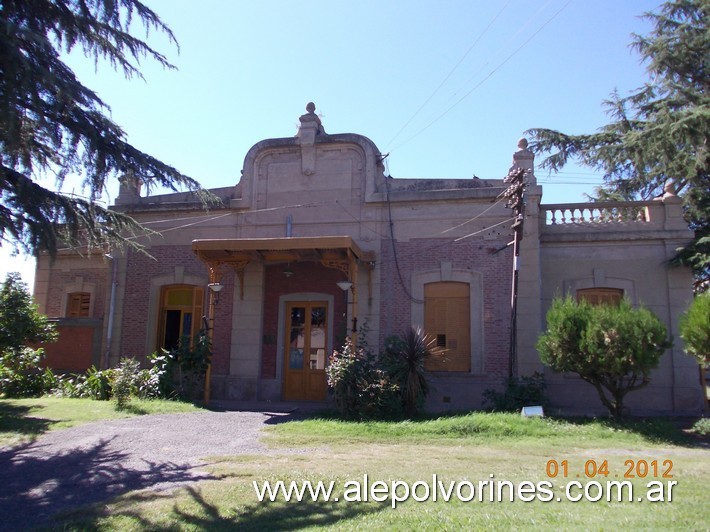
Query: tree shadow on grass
point(658, 430)
point(14, 420)
point(197, 513)
point(36, 485)
point(272, 516)
point(134, 409)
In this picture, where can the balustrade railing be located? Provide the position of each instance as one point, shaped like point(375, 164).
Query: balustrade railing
point(565, 214)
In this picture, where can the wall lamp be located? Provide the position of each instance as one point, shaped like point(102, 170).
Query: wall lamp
point(216, 289)
point(345, 286)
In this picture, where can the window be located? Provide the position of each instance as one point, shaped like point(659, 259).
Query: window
point(447, 317)
point(78, 305)
point(180, 313)
point(601, 296)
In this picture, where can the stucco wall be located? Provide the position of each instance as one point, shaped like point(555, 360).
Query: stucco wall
point(631, 257)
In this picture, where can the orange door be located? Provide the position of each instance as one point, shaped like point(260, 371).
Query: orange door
point(305, 351)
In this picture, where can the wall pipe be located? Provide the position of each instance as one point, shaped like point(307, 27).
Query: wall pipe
point(111, 309)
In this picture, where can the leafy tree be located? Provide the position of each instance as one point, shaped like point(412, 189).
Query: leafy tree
point(659, 133)
point(20, 324)
point(20, 321)
point(612, 347)
point(695, 328)
point(52, 126)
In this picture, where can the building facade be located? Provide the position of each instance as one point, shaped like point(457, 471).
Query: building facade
point(315, 243)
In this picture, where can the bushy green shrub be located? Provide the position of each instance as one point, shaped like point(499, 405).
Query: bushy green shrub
point(96, 384)
point(93, 384)
point(695, 328)
point(22, 324)
point(613, 347)
point(387, 386)
point(21, 375)
point(154, 382)
point(518, 392)
point(701, 427)
point(20, 320)
point(185, 368)
point(362, 390)
point(150, 383)
point(124, 383)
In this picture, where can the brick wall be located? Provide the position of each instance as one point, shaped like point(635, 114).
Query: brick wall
point(307, 277)
point(77, 347)
point(423, 255)
point(222, 335)
point(60, 279)
point(140, 270)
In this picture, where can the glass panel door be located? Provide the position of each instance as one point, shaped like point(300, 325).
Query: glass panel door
point(305, 351)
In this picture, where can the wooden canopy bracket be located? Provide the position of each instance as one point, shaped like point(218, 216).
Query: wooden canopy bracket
point(214, 267)
point(337, 264)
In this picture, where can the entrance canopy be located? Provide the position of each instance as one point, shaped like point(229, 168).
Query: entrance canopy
point(339, 252)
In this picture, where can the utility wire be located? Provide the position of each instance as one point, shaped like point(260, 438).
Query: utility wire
point(133, 237)
point(394, 248)
point(193, 223)
point(209, 216)
point(511, 39)
point(435, 120)
point(485, 30)
point(484, 229)
point(474, 218)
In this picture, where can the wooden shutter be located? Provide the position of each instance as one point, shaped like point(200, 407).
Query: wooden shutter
point(601, 296)
point(447, 317)
point(78, 304)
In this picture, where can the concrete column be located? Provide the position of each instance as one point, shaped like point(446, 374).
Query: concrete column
point(529, 318)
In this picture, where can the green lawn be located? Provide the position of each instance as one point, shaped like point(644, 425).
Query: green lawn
point(459, 449)
point(22, 420)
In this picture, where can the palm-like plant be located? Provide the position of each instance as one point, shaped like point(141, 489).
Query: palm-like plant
point(407, 355)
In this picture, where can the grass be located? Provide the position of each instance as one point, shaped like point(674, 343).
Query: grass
point(466, 447)
point(480, 427)
point(22, 420)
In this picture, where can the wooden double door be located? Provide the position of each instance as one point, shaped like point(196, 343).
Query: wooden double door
point(305, 357)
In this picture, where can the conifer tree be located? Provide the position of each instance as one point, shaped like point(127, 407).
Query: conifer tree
point(659, 133)
point(52, 126)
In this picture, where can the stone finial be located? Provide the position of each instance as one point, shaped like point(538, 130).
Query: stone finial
point(309, 129)
point(129, 189)
point(669, 189)
point(311, 120)
point(525, 159)
point(670, 194)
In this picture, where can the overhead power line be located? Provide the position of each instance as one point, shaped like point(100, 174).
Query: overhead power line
point(490, 74)
point(480, 36)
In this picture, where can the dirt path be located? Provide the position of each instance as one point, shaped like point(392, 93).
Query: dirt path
point(94, 462)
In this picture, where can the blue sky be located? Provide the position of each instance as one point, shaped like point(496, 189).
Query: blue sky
point(445, 87)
